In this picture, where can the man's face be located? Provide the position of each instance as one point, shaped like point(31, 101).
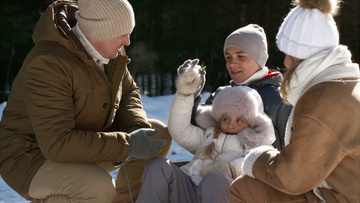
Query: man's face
point(239, 64)
point(109, 48)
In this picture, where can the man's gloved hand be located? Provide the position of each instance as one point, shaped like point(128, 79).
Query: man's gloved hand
point(191, 78)
point(142, 145)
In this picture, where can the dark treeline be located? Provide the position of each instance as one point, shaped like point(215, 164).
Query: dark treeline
point(168, 32)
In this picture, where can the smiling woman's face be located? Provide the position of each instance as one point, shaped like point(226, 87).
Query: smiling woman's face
point(239, 64)
point(109, 48)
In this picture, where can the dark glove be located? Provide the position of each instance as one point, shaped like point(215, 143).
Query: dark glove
point(191, 78)
point(142, 145)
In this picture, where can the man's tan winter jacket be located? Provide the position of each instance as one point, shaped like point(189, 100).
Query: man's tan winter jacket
point(63, 107)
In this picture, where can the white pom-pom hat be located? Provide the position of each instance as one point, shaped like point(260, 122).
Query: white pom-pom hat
point(306, 30)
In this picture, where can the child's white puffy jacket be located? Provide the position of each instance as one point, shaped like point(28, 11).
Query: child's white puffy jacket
point(194, 139)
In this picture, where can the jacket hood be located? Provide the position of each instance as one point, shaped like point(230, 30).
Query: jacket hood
point(272, 81)
point(55, 26)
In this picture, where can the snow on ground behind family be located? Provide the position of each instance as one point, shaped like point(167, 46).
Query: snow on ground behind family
point(155, 107)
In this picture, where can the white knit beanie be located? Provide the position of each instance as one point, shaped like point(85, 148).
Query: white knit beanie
point(105, 19)
point(238, 100)
point(252, 40)
point(309, 28)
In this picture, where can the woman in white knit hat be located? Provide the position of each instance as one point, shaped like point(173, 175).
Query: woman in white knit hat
point(320, 162)
point(74, 109)
point(234, 124)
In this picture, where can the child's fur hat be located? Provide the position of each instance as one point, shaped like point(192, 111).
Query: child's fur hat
point(243, 101)
point(239, 100)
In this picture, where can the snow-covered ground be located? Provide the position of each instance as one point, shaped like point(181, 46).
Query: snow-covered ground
point(155, 107)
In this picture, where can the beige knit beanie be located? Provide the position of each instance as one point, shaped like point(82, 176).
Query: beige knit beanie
point(105, 19)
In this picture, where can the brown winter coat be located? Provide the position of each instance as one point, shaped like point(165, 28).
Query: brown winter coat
point(325, 144)
point(63, 107)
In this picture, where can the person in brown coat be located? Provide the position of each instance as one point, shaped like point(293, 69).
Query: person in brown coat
point(74, 110)
point(320, 162)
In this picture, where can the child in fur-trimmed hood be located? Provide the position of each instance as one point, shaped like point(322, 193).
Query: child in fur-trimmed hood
point(228, 142)
point(234, 124)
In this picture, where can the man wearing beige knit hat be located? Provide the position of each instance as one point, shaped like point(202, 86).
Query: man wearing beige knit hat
point(80, 110)
point(107, 25)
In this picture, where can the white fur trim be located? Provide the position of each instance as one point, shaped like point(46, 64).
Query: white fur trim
point(239, 100)
point(203, 117)
point(253, 155)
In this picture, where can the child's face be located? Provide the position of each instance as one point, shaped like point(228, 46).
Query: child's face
point(232, 124)
point(239, 64)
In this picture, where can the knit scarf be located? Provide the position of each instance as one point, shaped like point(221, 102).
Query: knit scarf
point(323, 66)
point(326, 66)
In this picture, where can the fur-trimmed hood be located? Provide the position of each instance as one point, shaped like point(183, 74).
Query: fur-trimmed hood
point(239, 100)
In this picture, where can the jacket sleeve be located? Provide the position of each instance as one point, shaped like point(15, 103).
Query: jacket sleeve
point(130, 112)
point(48, 98)
point(196, 105)
point(181, 130)
point(311, 156)
point(307, 161)
point(209, 101)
